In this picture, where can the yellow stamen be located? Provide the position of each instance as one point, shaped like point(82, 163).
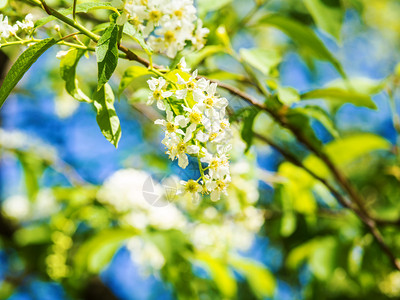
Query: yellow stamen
point(155, 15)
point(195, 117)
point(192, 186)
point(170, 127)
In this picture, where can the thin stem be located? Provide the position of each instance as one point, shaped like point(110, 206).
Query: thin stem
point(78, 46)
point(70, 22)
point(371, 224)
point(74, 10)
point(22, 42)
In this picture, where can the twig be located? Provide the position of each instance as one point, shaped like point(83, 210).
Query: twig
point(342, 180)
point(370, 223)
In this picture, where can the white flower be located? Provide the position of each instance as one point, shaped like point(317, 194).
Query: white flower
point(193, 117)
point(198, 39)
point(27, 24)
point(7, 30)
point(17, 207)
point(141, 200)
point(61, 54)
point(199, 126)
point(189, 85)
point(216, 187)
point(145, 254)
point(166, 24)
point(178, 147)
point(218, 165)
point(193, 188)
point(159, 94)
point(182, 66)
point(171, 125)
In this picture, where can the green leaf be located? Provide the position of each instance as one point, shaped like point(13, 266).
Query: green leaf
point(288, 224)
point(320, 115)
point(301, 253)
point(247, 129)
point(195, 58)
point(295, 194)
point(303, 36)
point(130, 75)
point(130, 30)
point(205, 6)
point(107, 54)
point(220, 273)
point(346, 150)
point(106, 116)
point(33, 168)
point(297, 119)
point(321, 254)
point(68, 73)
point(22, 65)
point(80, 8)
point(327, 17)
point(350, 148)
point(96, 253)
point(362, 85)
point(261, 281)
point(261, 59)
point(341, 96)
point(323, 259)
point(36, 234)
point(288, 95)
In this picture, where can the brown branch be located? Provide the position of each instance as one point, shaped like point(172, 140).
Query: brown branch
point(370, 223)
point(339, 176)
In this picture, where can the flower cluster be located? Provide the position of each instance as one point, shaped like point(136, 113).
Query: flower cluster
point(142, 204)
point(167, 24)
point(7, 30)
point(195, 125)
point(133, 194)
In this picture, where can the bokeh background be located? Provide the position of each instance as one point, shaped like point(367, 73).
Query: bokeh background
point(54, 124)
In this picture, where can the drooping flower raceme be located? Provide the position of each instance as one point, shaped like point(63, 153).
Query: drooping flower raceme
point(167, 24)
point(195, 126)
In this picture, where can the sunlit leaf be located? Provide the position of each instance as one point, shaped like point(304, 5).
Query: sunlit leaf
point(328, 17)
point(106, 116)
point(68, 73)
point(262, 59)
point(95, 254)
point(107, 54)
point(37, 234)
point(195, 58)
point(304, 36)
point(130, 30)
point(130, 75)
point(33, 168)
point(22, 65)
point(247, 130)
point(297, 192)
point(220, 273)
point(288, 224)
point(346, 150)
point(205, 6)
point(320, 115)
point(297, 119)
point(323, 259)
point(340, 95)
point(288, 95)
point(260, 279)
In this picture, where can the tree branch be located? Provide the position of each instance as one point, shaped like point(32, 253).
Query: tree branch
point(339, 176)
